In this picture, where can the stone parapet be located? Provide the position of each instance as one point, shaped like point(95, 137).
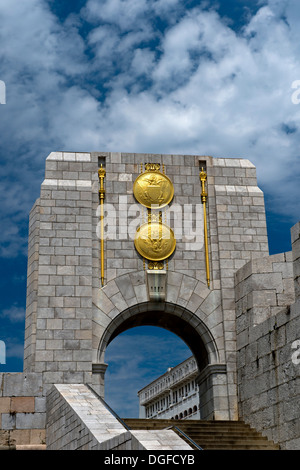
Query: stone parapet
point(22, 409)
point(267, 326)
point(295, 234)
point(264, 287)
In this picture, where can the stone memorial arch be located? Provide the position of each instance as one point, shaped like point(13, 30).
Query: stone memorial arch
point(119, 240)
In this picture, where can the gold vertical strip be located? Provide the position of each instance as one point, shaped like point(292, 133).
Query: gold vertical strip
point(203, 179)
point(149, 219)
point(143, 215)
point(166, 262)
point(101, 174)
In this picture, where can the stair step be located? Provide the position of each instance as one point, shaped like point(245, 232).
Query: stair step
point(216, 437)
point(211, 435)
point(239, 447)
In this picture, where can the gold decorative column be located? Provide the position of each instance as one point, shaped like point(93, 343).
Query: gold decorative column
point(203, 179)
point(101, 174)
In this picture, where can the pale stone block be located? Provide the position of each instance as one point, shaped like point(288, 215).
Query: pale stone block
point(187, 287)
point(295, 232)
point(262, 298)
point(66, 184)
point(8, 421)
point(125, 286)
point(119, 301)
point(232, 162)
point(54, 324)
point(211, 302)
point(55, 156)
point(246, 163)
point(218, 162)
point(172, 293)
point(69, 156)
point(19, 384)
point(141, 293)
point(54, 344)
point(30, 421)
point(40, 404)
point(194, 302)
point(267, 281)
point(83, 185)
point(125, 177)
point(45, 356)
point(82, 157)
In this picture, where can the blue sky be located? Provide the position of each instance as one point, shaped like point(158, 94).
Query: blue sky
point(165, 76)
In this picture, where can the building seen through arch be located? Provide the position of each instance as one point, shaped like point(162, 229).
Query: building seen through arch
point(173, 395)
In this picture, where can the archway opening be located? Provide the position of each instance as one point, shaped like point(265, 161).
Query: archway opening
point(137, 357)
point(189, 328)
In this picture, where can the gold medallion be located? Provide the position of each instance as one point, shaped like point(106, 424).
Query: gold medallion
point(153, 188)
point(155, 241)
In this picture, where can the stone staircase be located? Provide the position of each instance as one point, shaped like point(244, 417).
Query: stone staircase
point(211, 435)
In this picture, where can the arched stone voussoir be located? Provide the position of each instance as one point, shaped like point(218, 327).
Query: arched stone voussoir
point(185, 290)
point(122, 292)
point(131, 289)
point(103, 302)
point(211, 303)
point(125, 301)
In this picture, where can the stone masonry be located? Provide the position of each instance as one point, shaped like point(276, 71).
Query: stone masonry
point(268, 326)
point(77, 420)
point(71, 317)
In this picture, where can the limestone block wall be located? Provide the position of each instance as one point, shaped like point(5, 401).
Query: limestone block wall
point(295, 235)
point(22, 409)
point(264, 286)
point(238, 234)
point(268, 325)
point(59, 303)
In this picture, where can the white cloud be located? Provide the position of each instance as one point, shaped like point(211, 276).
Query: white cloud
point(234, 99)
point(123, 13)
point(196, 86)
point(14, 314)
point(143, 61)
